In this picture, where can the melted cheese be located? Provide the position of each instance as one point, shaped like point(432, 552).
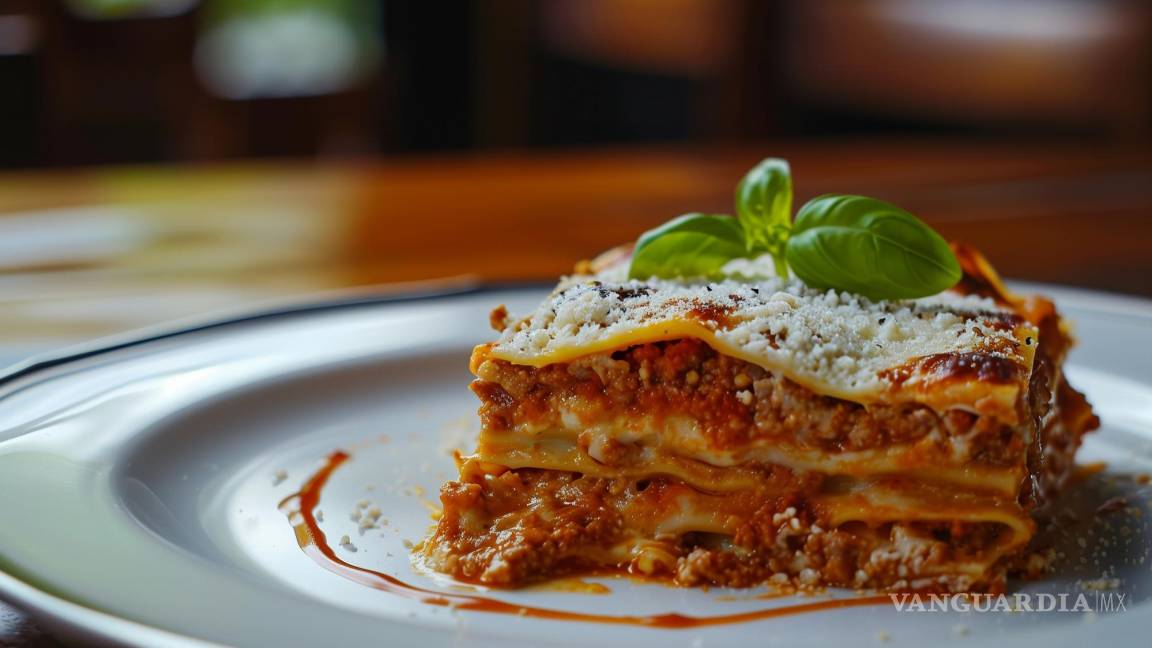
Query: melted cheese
point(728, 471)
point(837, 344)
point(877, 503)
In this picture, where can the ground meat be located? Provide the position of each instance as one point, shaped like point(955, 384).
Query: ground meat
point(734, 402)
point(515, 527)
point(521, 526)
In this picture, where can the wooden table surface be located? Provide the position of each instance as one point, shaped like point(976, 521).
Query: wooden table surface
point(92, 252)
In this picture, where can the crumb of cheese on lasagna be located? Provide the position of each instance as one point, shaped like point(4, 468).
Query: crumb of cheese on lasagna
point(838, 344)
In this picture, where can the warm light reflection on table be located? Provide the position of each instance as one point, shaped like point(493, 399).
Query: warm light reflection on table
point(86, 253)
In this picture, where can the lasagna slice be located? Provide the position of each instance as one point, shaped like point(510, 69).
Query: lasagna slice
point(736, 433)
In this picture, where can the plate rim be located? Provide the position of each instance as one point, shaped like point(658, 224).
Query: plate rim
point(325, 302)
point(76, 619)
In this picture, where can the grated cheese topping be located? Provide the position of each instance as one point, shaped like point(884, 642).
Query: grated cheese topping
point(837, 343)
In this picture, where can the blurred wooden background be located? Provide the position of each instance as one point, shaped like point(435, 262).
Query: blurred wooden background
point(90, 252)
point(84, 87)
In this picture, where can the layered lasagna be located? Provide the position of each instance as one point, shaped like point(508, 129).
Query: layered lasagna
point(749, 431)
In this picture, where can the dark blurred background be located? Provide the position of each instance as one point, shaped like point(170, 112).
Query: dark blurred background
point(138, 81)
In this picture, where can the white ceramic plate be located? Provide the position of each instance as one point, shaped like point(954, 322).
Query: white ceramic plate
point(139, 488)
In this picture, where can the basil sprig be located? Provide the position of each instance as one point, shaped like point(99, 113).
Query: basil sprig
point(847, 243)
point(866, 246)
point(764, 205)
point(692, 245)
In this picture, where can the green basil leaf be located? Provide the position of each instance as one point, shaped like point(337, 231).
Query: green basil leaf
point(764, 204)
point(869, 247)
point(692, 245)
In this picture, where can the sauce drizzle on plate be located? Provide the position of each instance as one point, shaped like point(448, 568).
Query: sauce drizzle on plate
point(299, 508)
